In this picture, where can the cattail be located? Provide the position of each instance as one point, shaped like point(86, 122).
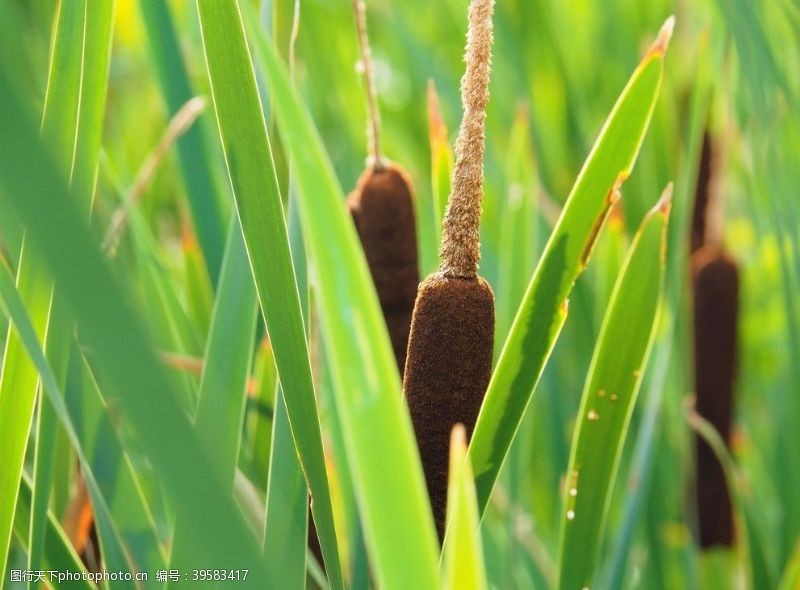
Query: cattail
point(703, 189)
point(716, 311)
point(382, 207)
point(452, 330)
point(383, 211)
point(715, 285)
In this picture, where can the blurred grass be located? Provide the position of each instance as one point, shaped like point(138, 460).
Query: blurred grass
point(116, 342)
point(60, 554)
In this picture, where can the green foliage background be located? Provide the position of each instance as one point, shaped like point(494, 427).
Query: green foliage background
point(166, 318)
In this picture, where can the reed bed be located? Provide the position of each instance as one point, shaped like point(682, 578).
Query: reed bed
point(500, 361)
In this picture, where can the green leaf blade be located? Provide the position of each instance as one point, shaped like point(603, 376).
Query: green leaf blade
point(19, 379)
point(608, 400)
point(226, 369)
point(18, 383)
point(384, 464)
point(252, 174)
point(543, 310)
point(116, 342)
point(81, 53)
point(206, 203)
point(286, 533)
point(462, 555)
point(58, 554)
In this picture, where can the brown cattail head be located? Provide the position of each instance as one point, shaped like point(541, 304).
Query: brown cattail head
point(716, 309)
point(447, 371)
point(383, 211)
point(460, 250)
point(452, 331)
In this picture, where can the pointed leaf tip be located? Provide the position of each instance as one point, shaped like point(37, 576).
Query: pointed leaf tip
point(458, 442)
point(436, 126)
point(664, 203)
point(660, 45)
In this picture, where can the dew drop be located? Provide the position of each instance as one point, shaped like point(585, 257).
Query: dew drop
point(613, 397)
point(573, 492)
point(570, 515)
point(593, 415)
point(601, 393)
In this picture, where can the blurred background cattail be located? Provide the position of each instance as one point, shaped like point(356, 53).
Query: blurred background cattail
point(715, 287)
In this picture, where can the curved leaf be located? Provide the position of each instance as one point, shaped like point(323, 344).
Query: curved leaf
point(18, 377)
point(609, 397)
point(255, 187)
point(379, 441)
point(544, 307)
point(122, 356)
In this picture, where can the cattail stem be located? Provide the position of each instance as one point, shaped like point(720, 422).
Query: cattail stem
point(375, 159)
point(382, 206)
point(460, 249)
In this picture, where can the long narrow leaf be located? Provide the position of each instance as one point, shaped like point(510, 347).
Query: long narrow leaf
point(379, 441)
point(462, 554)
point(518, 223)
point(285, 537)
point(114, 554)
point(544, 307)
point(225, 372)
point(18, 379)
point(750, 549)
point(90, 65)
point(258, 201)
point(113, 481)
point(57, 554)
point(609, 397)
point(642, 464)
point(286, 524)
point(196, 162)
point(119, 348)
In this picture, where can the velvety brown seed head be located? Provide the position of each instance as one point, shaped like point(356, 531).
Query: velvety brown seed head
point(448, 369)
point(716, 310)
point(383, 211)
